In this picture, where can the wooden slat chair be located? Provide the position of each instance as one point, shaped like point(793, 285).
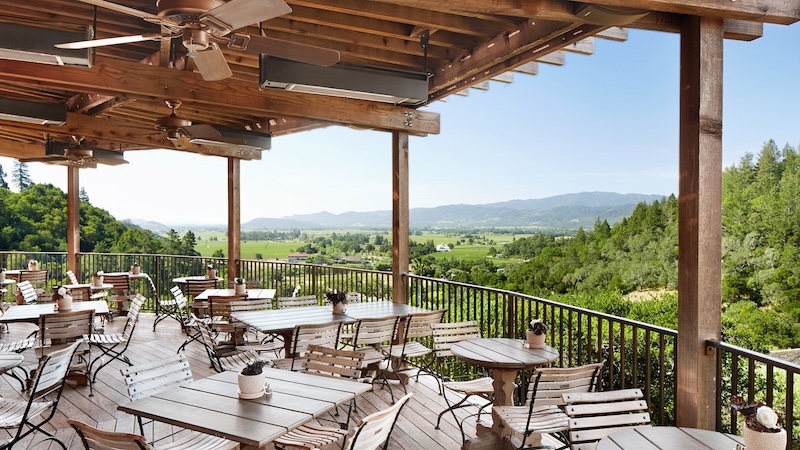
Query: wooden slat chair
point(29, 415)
point(58, 330)
point(353, 297)
point(224, 357)
point(196, 287)
point(72, 278)
point(78, 294)
point(418, 343)
point(595, 415)
point(219, 308)
point(376, 429)
point(303, 300)
point(95, 439)
point(38, 278)
point(268, 343)
point(445, 335)
point(330, 362)
point(186, 318)
point(375, 337)
point(114, 345)
point(26, 294)
point(543, 412)
point(303, 336)
point(144, 380)
point(19, 347)
point(120, 291)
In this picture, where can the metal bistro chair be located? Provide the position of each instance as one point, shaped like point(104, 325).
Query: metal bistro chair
point(115, 345)
point(144, 380)
point(26, 294)
point(96, 439)
point(543, 412)
point(43, 398)
point(268, 343)
point(224, 357)
point(198, 286)
point(375, 338)
point(595, 415)
point(376, 429)
point(58, 330)
point(303, 336)
point(38, 278)
point(78, 294)
point(119, 292)
point(418, 343)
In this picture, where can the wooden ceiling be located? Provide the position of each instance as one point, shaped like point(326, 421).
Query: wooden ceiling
point(114, 104)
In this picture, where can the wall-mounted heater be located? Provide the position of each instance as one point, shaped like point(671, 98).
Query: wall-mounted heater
point(32, 112)
point(236, 139)
point(343, 80)
point(34, 44)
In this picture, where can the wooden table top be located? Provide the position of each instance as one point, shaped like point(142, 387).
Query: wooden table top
point(661, 438)
point(184, 280)
point(252, 294)
point(9, 360)
point(212, 405)
point(503, 353)
point(31, 313)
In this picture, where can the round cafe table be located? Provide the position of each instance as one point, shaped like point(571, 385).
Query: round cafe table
point(662, 438)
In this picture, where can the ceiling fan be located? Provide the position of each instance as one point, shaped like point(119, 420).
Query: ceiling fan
point(204, 25)
point(181, 132)
point(75, 155)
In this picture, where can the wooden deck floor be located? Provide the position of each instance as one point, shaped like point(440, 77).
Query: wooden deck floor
point(414, 430)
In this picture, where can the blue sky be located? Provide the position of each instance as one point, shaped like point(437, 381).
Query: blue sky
point(602, 122)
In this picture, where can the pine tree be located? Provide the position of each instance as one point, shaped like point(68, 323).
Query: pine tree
point(84, 196)
point(20, 176)
point(3, 183)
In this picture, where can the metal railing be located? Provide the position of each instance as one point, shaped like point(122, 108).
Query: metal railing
point(635, 354)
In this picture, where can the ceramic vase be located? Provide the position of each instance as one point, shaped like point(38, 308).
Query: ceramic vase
point(135, 269)
point(211, 274)
point(239, 289)
point(33, 265)
point(251, 386)
point(757, 440)
point(64, 303)
point(97, 280)
point(2, 276)
point(338, 308)
point(535, 340)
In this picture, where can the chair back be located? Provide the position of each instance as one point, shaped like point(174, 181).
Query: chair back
point(27, 293)
point(375, 332)
point(80, 294)
point(72, 278)
point(196, 287)
point(133, 316)
point(375, 429)
point(445, 335)
point(180, 299)
point(303, 300)
point(256, 304)
point(38, 278)
point(64, 326)
point(144, 380)
point(219, 308)
point(120, 284)
point(52, 373)
point(352, 297)
point(95, 439)
point(418, 326)
point(333, 362)
point(549, 384)
point(321, 334)
point(595, 415)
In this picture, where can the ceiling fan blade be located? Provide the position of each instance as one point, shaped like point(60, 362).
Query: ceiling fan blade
point(123, 9)
point(211, 63)
point(284, 49)
point(116, 40)
point(239, 13)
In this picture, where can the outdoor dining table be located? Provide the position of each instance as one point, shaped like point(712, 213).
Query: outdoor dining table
point(200, 301)
point(504, 357)
point(31, 313)
point(88, 288)
point(212, 405)
point(662, 438)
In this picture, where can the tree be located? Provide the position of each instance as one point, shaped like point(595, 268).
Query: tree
point(20, 176)
point(3, 183)
point(84, 196)
point(188, 243)
point(218, 253)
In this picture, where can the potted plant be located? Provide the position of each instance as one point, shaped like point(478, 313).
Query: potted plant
point(63, 298)
point(537, 331)
point(33, 265)
point(135, 268)
point(251, 379)
point(97, 278)
point(211, 274)
point(2, 274)
point(337, 299)
point(763, 428)
point(239, 286)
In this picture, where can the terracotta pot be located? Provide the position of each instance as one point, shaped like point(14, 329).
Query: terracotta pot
point(239, 289)
point(64, 303)
point(535, 340)
point(211, 274)
point(97, 280)
point(756, 440)
point(338, 308)
point(135, 269)
point(251, 386)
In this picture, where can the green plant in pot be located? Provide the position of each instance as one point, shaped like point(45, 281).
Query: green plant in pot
point(251, 379)
point(536, 334)
point(337, 299)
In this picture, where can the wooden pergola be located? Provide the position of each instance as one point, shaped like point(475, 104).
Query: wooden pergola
point(466, 43)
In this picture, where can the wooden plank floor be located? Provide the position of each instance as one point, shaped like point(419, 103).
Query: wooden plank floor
point(414, 429)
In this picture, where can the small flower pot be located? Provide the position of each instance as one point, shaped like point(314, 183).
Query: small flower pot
point(135, 269)
point(251, 386)
point(97, 280)
point(338, 308)
point(2, 276)
point(239, 289)
point(211, 274)
point(535, 340)
point(33, 265)
point(757, 440)
point(64, 303)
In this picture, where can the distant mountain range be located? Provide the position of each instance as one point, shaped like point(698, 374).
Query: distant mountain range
point(567, 211)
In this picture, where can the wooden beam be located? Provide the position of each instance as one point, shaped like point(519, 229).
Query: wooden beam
point(400, 221)
point(234, 217)
point(20, 150)
point(769, 11)
point(73, 220)
point(699, 220)
point(138, 81)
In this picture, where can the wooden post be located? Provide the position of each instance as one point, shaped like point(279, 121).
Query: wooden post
point(399, 215)
point(699, 219)
point(73, 220)
point(234, 217)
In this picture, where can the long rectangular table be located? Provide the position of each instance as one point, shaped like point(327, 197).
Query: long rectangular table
point(212, 405)
point(31, 313)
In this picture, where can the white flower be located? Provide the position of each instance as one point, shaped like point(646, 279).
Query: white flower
point(62, 291)
point(767, 417)
point(534, 322)
point(296, 291)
